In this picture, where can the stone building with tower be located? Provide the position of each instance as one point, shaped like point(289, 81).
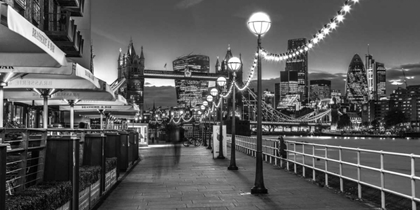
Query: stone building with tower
point(222, 67)
point(129, 80)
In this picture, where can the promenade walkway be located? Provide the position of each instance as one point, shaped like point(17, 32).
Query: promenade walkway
point(201, 182)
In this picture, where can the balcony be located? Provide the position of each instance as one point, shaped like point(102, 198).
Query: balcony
point(75, 7)
point(63, 32)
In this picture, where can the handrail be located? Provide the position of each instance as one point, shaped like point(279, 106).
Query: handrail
point(299, 149)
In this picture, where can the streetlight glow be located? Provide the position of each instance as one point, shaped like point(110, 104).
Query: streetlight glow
point(234, 64)
point(221, 81)
point(259, 23)
point(209, 98)
point(214, 92)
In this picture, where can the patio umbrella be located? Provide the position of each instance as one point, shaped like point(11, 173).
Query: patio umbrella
point(24, 45)
point(78, 98)
point(59, 86)
point(117, 111)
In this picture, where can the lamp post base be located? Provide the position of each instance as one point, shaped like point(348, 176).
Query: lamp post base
point(259, 190)
point(233, 168)
point(220, 157)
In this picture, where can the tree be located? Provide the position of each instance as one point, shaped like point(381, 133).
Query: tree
point(394, 117)
point(344, 121)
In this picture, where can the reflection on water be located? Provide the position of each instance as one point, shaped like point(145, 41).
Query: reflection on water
point(374, 143)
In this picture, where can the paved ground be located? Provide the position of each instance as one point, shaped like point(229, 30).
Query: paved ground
point(201, 182)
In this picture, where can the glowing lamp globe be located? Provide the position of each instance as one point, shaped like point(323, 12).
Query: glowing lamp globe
point(205, 103)
point(259, 23)
point(203, 107)
point(221, 81)
point(209, 98)
point(214, 92)
point(234, 64)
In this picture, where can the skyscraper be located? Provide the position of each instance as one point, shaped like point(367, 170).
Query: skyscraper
point(356, 84)
point(376, 78)
point(190, 92)
point(320, 89)
point(299, 64)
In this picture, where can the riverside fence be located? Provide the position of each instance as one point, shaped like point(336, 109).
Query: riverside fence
point(388, 176)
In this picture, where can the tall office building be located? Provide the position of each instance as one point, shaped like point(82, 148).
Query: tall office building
point(320, 89)
point(131, 68)
point(190, 92)
point(299, 64)
point(376, 78)
point(289, 90)
point(356, 84)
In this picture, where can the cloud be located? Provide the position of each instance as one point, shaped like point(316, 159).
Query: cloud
point(185, 4)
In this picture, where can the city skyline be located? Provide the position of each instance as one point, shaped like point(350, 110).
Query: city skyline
point(172, 29)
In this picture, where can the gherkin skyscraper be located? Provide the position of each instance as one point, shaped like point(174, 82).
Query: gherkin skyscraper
point(356, 83)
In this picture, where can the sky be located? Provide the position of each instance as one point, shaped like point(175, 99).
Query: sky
point(168, 29)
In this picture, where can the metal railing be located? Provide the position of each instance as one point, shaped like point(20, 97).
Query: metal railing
point(389, 172)
point(25, 157)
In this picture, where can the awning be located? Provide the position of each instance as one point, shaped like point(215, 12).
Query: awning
point(76, 77)
point(23, 44)
point(82, 97)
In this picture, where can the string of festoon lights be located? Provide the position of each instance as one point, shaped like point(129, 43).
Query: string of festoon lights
point(319, 36)
point(293, 53)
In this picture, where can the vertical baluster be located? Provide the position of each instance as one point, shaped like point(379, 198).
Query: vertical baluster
point(413, 182)
point(303, 160)
point(382, 181)
point(294, 157)
point(359, 177)
point(340, 150)
point(326, 165)
point(3, 151)
point(313, 162)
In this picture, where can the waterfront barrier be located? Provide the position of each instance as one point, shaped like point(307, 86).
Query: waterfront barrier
point(62, 168)
point(378, 176)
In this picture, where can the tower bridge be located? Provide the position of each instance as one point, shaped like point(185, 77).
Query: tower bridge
point(164, 74)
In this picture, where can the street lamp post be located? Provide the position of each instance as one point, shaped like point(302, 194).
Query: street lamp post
point(214, 92)
point(234, 64)
point(259, 24)
point(209, 99)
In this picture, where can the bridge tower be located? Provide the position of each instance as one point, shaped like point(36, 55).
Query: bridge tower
point(223, 68)
point(131, 68)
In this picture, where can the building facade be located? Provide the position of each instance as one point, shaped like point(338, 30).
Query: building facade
point(240, 111)
point(299, 64)
point(131, 68)
point(376, 78)
point(356, 84)
point(190, 92)
point(320, 89)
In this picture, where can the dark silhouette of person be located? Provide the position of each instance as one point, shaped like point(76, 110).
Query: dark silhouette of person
point(282, 148)
point(82, 125)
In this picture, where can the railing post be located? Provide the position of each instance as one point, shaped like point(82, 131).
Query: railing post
point(382, 181)
point(413, 182)
point(359, 176)
point(313, 163)
point(326, 165)
point(294, 157)
point(303, 160)
point(340, 168)
point(3, 153)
